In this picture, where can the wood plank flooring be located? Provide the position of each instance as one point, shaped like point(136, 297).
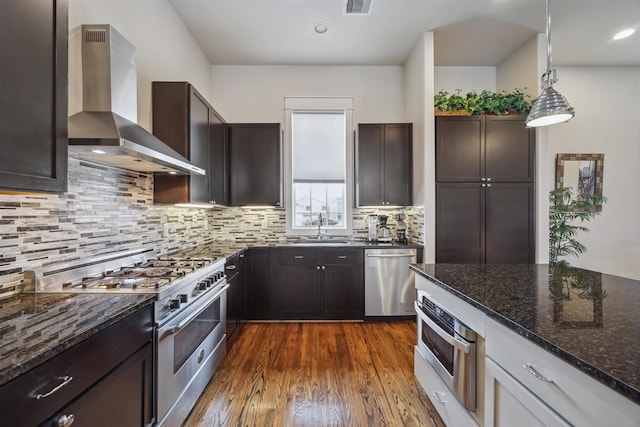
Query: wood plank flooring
point(317, 374)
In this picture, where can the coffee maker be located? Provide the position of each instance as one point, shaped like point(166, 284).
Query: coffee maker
point(384, 235)
point(401, 229)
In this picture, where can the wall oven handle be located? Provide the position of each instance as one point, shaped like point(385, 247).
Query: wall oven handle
point(188, 319)
point(453, 340)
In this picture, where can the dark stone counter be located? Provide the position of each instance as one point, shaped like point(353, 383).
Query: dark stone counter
point(591, 320)
point(34, 327)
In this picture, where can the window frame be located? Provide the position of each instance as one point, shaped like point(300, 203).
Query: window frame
point(319, 105)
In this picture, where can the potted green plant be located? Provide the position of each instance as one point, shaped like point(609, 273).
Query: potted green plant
point(485, 102)
point(564, 211)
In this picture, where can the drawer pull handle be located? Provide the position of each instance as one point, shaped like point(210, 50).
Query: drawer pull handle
point(298, 256)
point(231, 267)
point(438, 396)
point(65, 380)
point(536, 374)
point(66, 420)
point(342, 257)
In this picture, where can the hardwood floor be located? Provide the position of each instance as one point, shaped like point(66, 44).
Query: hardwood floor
point(317, 374)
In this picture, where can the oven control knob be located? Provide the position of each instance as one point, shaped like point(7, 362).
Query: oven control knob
point(209, 281)
point(219, 275)
point(202, 285)
point(183, 298)
point(174, 304)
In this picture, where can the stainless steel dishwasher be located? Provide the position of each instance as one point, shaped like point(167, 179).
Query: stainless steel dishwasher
point(389, 282)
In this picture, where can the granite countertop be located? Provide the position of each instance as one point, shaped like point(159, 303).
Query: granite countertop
point(34, 327)
point(589, 319)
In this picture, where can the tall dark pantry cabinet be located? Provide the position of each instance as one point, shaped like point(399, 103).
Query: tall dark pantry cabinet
point(484, 190)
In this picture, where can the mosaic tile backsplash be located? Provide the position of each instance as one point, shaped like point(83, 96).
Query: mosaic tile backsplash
point(107, 210)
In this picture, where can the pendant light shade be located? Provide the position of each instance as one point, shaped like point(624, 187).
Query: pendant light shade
point(551, 107)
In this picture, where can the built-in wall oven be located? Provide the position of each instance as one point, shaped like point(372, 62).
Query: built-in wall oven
point(449, 347)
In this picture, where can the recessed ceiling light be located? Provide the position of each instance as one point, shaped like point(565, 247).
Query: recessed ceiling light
point(98, 151)
point(624, 34)
point(321, 28)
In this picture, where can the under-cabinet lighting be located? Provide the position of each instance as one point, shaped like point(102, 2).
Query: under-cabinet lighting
point(257, 207)
point(194, 205)
point(98, 151)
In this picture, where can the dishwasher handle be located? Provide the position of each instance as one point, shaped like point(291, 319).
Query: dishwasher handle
point(391, 255)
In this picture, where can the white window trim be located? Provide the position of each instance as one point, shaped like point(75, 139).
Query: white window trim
point(319, 104)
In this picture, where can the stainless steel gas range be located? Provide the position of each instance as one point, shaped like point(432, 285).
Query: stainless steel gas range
point(190, 314)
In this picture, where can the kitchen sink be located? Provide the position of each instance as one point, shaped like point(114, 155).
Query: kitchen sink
point(316, 242)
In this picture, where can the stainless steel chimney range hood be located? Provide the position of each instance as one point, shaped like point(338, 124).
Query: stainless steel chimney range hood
point(106, 131)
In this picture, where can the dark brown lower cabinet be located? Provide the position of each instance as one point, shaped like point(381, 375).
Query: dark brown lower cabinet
point(305, 284)
point(108, 381)
point(258, 284)
point(115, 400)
point(478, 223)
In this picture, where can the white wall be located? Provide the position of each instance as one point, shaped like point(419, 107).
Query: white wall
point(419, 91)
point(165, 50)
point(256, 93)
point(607, 121)
point(519, 70)
point(464, 78)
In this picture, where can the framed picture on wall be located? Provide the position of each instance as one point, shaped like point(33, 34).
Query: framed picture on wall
point(582, 173)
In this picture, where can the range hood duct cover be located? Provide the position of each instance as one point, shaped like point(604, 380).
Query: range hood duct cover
point(106, 131)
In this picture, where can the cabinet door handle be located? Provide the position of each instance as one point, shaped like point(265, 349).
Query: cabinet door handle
point(488, 179)
point(298, 256)
point(66, 420)
point(342, 257)
point(438, 395)
point(231, 267)
point(323, 267)
point(317, 267)
point(537, 374)
point(483, 185)
point(65, 380)
point(488, 185)
point(483, 179)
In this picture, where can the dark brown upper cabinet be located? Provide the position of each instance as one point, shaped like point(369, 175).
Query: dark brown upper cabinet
point(219, 176)
point(33, 105)
point(185, 121)
point(484, 149)
point(254, 164)
point(384, 165)
point(484, 190)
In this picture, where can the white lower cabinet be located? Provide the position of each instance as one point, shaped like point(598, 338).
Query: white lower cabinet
point(451, 411)
point(520, 374)
point(508, 403)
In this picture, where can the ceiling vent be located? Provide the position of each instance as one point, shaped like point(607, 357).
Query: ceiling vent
point(357, 7)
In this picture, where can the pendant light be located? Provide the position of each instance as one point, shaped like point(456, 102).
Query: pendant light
point(551, 107)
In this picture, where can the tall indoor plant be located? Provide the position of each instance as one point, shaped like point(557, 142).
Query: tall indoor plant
point(564, 210)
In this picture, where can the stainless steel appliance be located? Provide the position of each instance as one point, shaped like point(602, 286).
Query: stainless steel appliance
point(384, 234)
point(449, 347)
point(388, 282)
point(106, 131)
point(190, 314)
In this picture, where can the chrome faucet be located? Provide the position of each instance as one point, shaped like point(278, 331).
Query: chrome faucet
point(320, 220)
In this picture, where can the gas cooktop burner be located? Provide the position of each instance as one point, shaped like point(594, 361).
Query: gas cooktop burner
point(150, 274)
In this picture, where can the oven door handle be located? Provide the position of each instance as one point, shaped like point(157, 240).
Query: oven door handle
point(188, 319)
point(453, 340)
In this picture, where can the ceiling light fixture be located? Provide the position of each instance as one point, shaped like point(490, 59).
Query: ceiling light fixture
point(624, 34)
point(551, 107)
point(321, 28)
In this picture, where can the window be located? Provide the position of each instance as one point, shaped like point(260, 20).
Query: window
point(318, 167)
